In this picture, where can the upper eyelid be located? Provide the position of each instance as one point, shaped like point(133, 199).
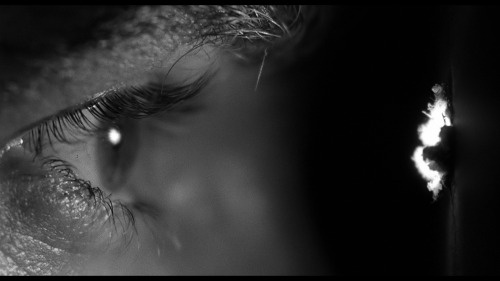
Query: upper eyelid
point(152, 98)
point(166, 96)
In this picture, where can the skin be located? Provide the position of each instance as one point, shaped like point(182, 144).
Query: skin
point(226, 182)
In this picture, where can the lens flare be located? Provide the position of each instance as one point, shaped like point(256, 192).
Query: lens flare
point(429, 136)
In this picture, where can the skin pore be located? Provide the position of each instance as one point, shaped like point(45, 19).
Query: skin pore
point(215, 185)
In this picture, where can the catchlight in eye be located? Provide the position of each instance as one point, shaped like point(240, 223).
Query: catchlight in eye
point(114, 136)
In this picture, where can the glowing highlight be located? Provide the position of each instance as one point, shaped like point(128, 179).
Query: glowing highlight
point(114, 136)
point(429, 136)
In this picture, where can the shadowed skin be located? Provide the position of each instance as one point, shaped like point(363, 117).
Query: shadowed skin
point(226, 183)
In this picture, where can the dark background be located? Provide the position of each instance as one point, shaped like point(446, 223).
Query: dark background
point(475, 60)
point(372, 80)
point(377, 70)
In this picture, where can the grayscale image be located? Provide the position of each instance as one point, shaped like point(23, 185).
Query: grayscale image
point(258, 140)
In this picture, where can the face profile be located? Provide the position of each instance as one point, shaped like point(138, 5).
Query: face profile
point(248, 140)
point(161, 140)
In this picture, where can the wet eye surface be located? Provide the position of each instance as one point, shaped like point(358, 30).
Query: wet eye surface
point(51, 213)
point(116, 149)
point(58, 180)
point(56, 201)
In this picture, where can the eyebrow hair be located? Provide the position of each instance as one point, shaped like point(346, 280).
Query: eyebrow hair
point(243, 29)
point(223, 23)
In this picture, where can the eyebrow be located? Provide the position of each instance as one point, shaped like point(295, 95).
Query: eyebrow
point(131, 101)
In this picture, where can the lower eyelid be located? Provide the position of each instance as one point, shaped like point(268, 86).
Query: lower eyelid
point(63, 213)
point(52, 205)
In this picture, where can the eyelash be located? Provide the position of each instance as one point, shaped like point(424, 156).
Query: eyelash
point(65, 169)
point(132, 102)
point(107, 109)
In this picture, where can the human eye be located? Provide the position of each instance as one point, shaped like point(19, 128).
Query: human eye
point(59, 180)
point(177, 163)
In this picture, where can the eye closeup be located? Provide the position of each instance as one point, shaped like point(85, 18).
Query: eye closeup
point(170, 167)
point(58, 179)
point(50, 210)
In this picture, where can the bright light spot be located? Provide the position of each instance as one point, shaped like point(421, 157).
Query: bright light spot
point(114, 136)
point(429, 132)
point(11, 144)
point(432, 177)
point(429, 135)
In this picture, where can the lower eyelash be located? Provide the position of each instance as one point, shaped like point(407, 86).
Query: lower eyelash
point(118, 215)
point(86, 208)
point(43, 201)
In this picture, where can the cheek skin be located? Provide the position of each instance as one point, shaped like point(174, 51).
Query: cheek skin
point(223, 186)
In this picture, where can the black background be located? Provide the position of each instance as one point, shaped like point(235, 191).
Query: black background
point(373, 78)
